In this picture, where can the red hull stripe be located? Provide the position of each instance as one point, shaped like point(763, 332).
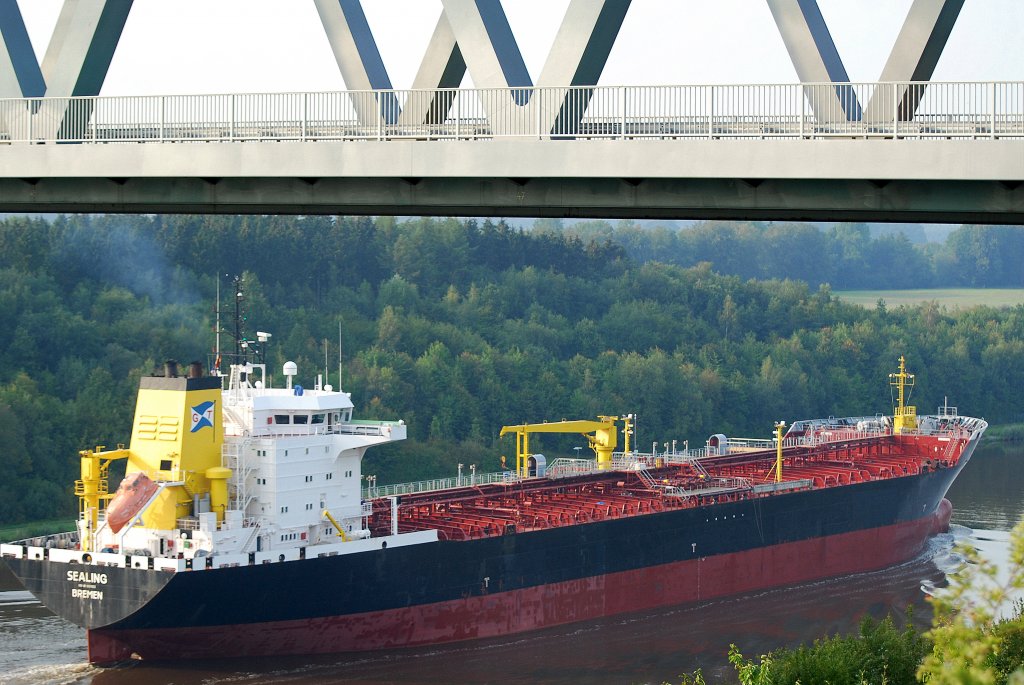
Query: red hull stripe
point(536, 607)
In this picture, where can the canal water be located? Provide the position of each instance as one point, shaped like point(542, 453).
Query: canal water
point(654, 647)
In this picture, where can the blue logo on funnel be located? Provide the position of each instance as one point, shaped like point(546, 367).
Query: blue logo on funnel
point(202, 416)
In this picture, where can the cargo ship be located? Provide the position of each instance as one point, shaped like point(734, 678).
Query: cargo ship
point(243, 525)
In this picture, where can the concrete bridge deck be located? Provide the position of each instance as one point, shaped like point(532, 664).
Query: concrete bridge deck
point(754, 151)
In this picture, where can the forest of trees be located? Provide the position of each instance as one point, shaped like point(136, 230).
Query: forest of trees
point(457, 327)
point(846, 256)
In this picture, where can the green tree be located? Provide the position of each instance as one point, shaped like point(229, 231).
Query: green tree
point(968, 644)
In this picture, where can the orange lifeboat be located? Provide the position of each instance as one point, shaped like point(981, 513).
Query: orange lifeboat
point(132, 494)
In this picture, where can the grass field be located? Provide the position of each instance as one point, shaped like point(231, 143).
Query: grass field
point(27, 530)
point(949, 297)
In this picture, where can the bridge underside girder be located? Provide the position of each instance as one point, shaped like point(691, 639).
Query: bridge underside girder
point(954, 181)
point(769, 199)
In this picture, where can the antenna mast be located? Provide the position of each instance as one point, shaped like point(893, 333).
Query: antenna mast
point(238, 320)
point(216, 329)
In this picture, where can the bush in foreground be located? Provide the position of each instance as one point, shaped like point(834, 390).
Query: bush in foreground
point(967, 644)
point(879, 653)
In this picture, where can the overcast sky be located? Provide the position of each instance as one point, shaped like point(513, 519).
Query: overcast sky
point(231, 46)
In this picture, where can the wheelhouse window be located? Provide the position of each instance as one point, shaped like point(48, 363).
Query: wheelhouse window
point(301, 418)
point(282, 419)
point(318, 418)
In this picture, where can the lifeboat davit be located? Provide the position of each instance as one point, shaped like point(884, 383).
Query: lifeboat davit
point(132, 494)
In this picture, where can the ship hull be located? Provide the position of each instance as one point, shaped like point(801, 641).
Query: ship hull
point(535, 607)
point(448, 591)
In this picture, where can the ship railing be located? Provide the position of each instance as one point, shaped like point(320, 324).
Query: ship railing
point(278, 431)
point(95, 536)
point(188, 523)
point(237, 419)
point(564, 467)
point(684, 457)
point(376, 429)
point(763, 488)
point(384, 429)
point(707, 488)
point(839, 435)
point(721, 483)
point(75, 556)
point(950, 424)
point(176, 476)
point(750, 444)
point(631, 461)
point(235, 457)
point(254, 524)
point(465, 480)
point(637, 462)
point(821, 435)
point(65, 540)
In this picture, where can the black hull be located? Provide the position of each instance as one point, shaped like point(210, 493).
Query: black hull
point(443, 571)
point(751, 541)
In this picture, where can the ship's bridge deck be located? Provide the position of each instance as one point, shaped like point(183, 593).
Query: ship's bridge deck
point(574, 492)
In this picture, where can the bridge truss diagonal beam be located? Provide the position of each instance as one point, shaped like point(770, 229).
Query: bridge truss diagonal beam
point(75, 64)
point(20, 75)
point(475, 36)
point(815, 57)
point(358, 57)
point(914, 56)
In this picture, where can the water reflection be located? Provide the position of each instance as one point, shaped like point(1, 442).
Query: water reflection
point(987, 494)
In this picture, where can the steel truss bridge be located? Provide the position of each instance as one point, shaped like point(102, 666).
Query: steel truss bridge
point(902, 149)
point(730, 151)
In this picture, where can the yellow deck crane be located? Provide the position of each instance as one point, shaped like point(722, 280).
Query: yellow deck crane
point(92, 488)
point(603, 440)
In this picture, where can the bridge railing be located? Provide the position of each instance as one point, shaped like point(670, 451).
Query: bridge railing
point(797, 111)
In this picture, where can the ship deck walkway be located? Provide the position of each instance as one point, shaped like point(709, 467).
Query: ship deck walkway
point(493, 509)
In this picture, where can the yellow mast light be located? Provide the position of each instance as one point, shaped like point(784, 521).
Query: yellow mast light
point(628, 426)
point(904, 416)
point(778, 450)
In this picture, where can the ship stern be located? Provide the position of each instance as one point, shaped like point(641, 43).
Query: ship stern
point(89, 590)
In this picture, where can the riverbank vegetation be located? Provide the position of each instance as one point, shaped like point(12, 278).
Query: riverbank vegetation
point(1012, 432)
point(28, 530)
point(969, 642)
point(847, 256)
point(457, 327)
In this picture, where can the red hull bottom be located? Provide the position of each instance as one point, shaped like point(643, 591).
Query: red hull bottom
point(535, 607)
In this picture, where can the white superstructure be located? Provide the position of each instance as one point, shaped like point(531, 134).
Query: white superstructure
point(287, 483)
point(295, 456)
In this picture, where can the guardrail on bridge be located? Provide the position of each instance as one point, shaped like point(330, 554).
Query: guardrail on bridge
point(797, 111)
